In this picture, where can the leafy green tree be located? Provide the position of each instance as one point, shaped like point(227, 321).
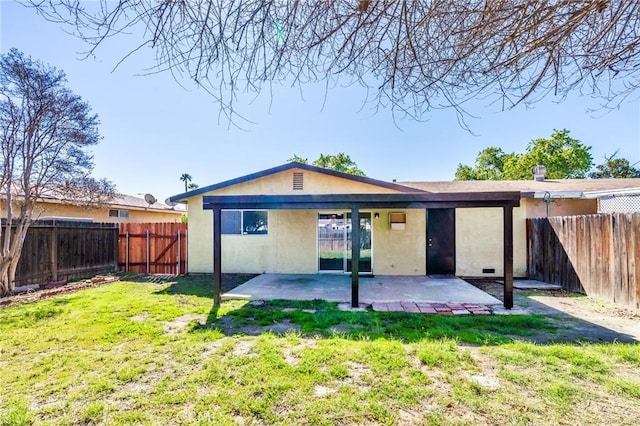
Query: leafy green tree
point(489, 165)
point(298, 159)
point(564, 157)
point(615, 168)
point(340, 162)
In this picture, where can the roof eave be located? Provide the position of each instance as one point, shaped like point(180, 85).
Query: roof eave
point(288, 166)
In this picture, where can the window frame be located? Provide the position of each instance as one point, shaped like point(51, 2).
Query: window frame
point(241, 230)
point(119, 214)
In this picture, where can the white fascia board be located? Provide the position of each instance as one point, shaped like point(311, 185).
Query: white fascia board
point(609, 192)
point(559, 194)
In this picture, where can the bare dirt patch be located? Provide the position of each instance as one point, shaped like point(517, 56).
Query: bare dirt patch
point(44, 293)
point(244, 348)
point(180, 324)
point(292, 353)
point(320, 391)
point(577, 317)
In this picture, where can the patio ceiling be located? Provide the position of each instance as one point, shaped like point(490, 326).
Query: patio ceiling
point(416, 200)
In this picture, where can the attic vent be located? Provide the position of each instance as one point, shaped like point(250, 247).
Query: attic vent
point(298, 181)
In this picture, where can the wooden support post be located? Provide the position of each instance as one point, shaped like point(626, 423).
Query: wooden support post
point(508, 256)
point(355, 256)
point(217, 257)
point(186, 251)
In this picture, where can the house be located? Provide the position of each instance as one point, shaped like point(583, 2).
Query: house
point(296, 218)
point(123, 208)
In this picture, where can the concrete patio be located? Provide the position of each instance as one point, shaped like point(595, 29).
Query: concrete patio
point(380, 289)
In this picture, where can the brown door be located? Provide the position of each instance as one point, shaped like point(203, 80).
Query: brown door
point(441, 241)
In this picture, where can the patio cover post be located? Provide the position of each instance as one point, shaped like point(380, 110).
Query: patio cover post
point(355, 255)
point(508, 256)
point(217, 256)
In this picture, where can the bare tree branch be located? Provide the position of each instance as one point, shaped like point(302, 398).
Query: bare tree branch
point(414, 56)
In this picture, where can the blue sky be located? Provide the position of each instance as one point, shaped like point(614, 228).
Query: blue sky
point(154, 130)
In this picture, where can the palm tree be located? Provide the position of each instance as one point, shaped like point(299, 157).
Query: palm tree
point(186, 178)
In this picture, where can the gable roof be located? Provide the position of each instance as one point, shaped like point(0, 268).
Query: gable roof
point(295, 165)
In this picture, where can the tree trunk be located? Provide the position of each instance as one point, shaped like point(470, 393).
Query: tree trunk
point(12, 249)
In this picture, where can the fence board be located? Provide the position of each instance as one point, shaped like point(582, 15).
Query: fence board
point(57, 250)
point(593, 254)
point(154, 248)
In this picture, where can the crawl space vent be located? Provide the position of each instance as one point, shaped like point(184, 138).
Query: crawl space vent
point(298, 181)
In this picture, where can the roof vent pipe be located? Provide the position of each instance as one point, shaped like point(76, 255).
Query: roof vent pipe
point(538, 172)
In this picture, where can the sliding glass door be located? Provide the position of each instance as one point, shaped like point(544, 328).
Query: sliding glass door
point(335, 243)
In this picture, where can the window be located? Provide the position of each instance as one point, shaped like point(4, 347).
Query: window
point(119, 213)
point(244, 222)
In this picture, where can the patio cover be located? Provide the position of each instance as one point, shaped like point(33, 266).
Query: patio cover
point(354, 202)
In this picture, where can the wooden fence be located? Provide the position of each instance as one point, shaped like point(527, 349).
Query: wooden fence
point(57, 250)
point(153, 248)
point(598, 255)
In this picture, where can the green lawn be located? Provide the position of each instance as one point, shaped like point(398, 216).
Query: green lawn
point(139, 353)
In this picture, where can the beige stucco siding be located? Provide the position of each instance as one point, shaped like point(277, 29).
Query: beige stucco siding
point(296, 241)
point(560, 207)
point(200, 243)
point(479, 242)
point(313, 183)
point(290, 245)
point(43, 209)
point(400, 252)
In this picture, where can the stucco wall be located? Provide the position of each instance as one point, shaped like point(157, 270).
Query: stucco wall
point(102, 214)
point(314, 183)
point(200, 243)
point(291, 244)
point(479, 242)
point(560, 207)
point(400, 252)
point(289, 247)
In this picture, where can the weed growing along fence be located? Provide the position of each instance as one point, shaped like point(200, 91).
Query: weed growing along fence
point(598, 255)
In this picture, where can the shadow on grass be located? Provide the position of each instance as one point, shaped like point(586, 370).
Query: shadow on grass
point(317, 318)
point(201, 285)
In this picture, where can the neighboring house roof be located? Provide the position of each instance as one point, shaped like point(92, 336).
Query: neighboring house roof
point(58, 195)
point(568, 188)
point(129, 202)
point(294, 165)
point(136, 202)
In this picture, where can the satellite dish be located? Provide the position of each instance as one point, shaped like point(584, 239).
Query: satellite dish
point(150, 199)
point(170, 203)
